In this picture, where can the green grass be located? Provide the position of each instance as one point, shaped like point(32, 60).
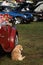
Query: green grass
point(31, 38)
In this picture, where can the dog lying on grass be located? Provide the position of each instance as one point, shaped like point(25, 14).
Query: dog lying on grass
point(16, 53)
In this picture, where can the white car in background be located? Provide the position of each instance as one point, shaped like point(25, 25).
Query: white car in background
point(39, 6)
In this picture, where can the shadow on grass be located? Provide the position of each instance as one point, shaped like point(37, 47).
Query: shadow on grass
point(2, 53)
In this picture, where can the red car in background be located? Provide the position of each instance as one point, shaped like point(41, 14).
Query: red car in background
point(20, 1)
point(8, 37)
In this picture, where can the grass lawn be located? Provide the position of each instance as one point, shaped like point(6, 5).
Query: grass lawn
point(31, 38)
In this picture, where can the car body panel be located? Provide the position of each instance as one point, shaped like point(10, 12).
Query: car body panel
point(7, 38)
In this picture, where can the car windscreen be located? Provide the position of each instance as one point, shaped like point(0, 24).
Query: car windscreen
point(7, 8)
point(24, 6)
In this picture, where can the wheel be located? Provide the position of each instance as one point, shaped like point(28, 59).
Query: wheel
point(16, 40)
point(25, 22)
point(18, 20)
point(35, 19)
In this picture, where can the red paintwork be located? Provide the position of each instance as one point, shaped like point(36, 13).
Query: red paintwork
point(5, 17)
point(6, 33)
point(8, 16)
point(20, 0)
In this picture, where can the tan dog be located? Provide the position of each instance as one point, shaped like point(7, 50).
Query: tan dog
point(16, 53)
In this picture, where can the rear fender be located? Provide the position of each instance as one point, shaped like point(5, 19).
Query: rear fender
point(12, 38)
point(11, 41)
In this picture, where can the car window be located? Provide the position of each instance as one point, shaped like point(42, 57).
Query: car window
point(0, 3)
point(25, 9)
point(1, 8)
point(7, 9)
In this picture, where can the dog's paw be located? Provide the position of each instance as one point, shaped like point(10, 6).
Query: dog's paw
point(24, 56)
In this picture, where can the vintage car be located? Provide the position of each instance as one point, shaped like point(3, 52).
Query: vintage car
point(8, 37)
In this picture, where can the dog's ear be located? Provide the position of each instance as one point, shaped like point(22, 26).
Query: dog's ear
point(21, 48)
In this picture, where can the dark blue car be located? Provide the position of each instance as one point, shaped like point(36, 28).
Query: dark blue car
point(19, 14)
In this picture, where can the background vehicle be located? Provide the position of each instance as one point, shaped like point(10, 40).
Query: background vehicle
point(36, 8)
point(38, 11)
point(18, 15)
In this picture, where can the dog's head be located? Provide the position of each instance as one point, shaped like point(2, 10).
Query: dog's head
point(19, 47)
